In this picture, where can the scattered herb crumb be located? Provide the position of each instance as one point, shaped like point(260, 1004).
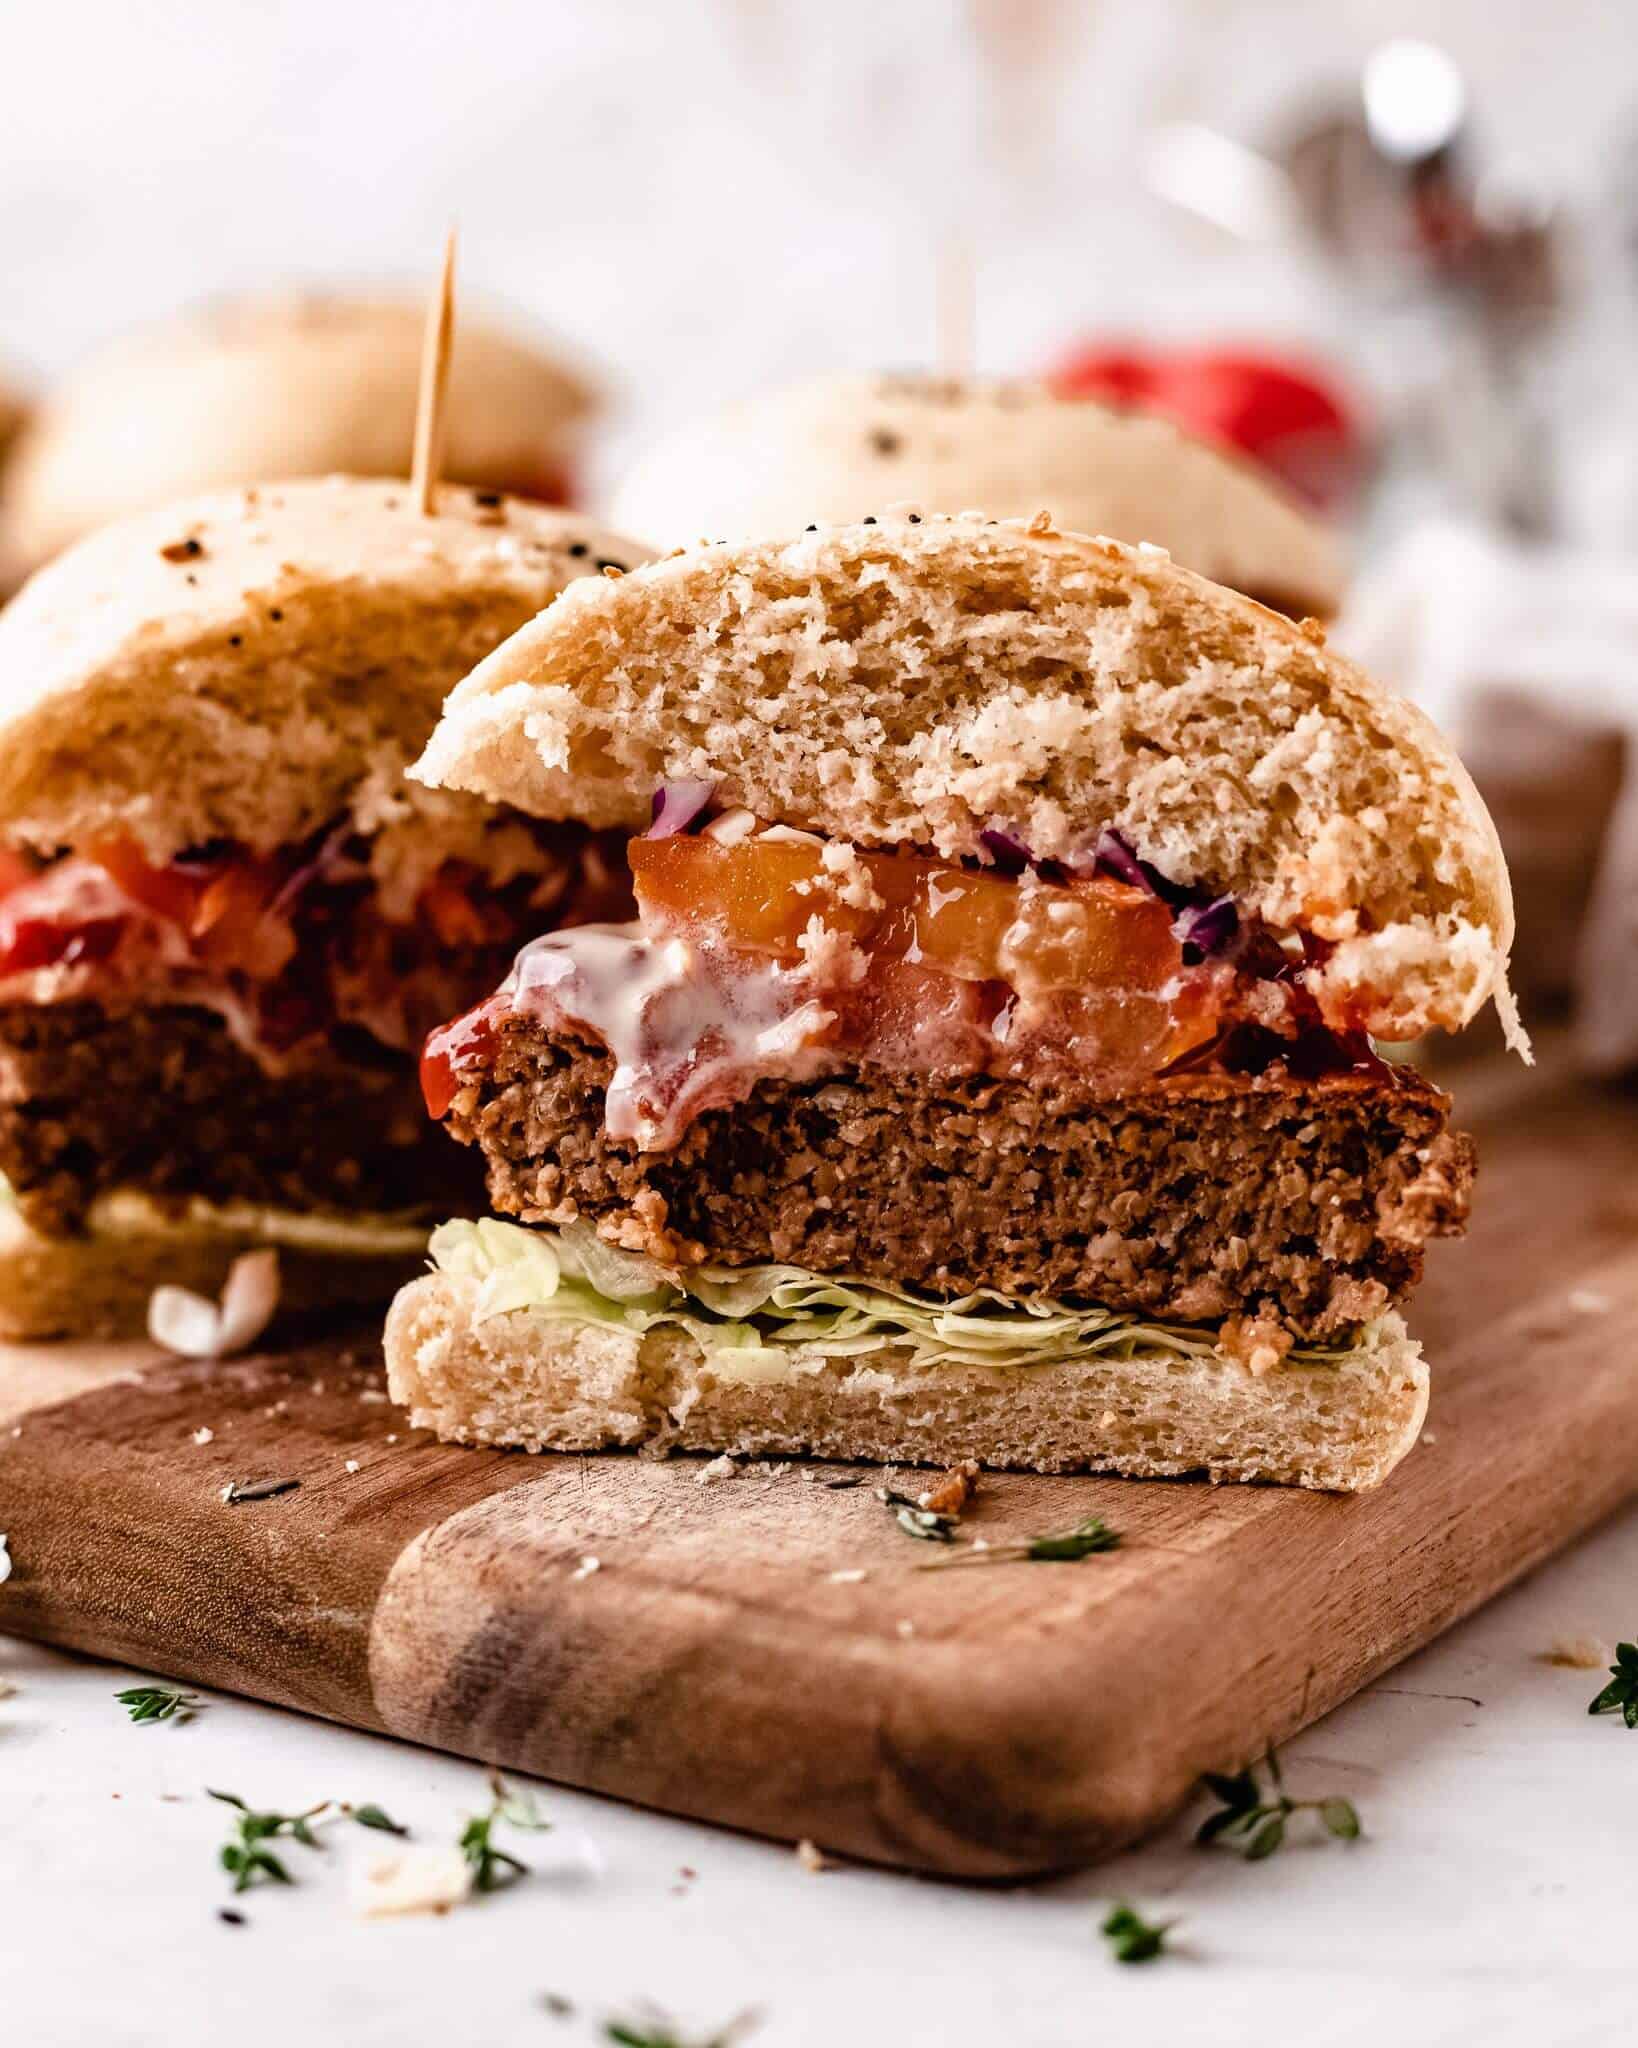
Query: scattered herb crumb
point(1064, 1546)
point(245, 1856)
point(1131, 1938)
point(652, 2029)
point(557, 2005)
point(159, 1703)
point(1621, 1694)
point(240, 1490)
point(232, 1919)
point(492, 1868)
point(927, 1525)
point(1259, 1821)
point(373, 1816)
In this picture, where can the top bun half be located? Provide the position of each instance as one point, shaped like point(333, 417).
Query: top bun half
point(235, 665)
point(839, 447)
point(920, 681)
point(283, 385)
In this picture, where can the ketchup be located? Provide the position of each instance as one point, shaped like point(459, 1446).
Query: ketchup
point(466, 1041)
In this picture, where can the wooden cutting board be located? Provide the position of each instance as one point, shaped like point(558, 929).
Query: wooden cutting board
point(763, 1650)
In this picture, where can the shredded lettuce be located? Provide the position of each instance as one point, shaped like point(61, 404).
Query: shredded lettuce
point(754, 1322)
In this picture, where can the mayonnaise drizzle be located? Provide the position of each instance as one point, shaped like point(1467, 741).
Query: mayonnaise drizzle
point(688, 1028)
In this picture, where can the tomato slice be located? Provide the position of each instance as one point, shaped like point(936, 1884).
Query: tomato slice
point(760, 895)
point(172, 893)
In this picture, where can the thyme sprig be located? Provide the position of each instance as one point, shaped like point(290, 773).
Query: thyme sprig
point(493, 1868)
point(1131, 1938)
point(1259, 1821)
point(245, 1855)
point(159, 1703)
point(1066, 1546)
point(1621, 1694)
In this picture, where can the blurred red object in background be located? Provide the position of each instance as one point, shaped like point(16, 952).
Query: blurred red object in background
point(1288, 418)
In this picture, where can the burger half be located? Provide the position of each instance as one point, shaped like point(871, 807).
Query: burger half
point(226, 922)
point(989, 1071)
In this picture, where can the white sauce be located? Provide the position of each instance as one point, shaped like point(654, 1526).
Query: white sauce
point(688, 1028)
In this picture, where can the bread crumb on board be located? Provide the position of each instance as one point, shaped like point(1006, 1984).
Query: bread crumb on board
point(413, 1880)
point(952, 1493)
point(1578, 1653)
point(811, 1856)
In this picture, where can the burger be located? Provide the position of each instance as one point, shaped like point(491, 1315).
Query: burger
point(990, 1070)
point(283, 385)
point(226, 921)
point(839, 447)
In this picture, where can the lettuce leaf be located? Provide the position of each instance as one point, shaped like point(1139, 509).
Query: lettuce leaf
point(755, 1322)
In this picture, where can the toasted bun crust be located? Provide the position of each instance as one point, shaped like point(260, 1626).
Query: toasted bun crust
point(521, 1379)
point(235, 665)
point(280, 385)
point(839, 447)
point(913, 683)
point(100, 1286)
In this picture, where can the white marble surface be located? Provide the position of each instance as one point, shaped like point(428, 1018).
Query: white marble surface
point(1490, 1900)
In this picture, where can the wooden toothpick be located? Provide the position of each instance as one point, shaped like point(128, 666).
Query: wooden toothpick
point(955, 309)
point(430, 410)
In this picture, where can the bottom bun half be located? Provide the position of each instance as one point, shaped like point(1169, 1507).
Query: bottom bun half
point(548, 1383)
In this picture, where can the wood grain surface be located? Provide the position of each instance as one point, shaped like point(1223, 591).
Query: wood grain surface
point(982, 1722)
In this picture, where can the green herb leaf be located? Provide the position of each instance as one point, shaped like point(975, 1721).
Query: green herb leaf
point(1132, 1938)
point(1086, 1539)
point(1339, 1816)
point(1237, 1793)
point(1621, 1694)
point(1267, 1838)
point(1260, 1822)
point(374, 1817)
point(158, 1703)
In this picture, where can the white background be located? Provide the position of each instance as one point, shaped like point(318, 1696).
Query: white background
point(704, 195)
